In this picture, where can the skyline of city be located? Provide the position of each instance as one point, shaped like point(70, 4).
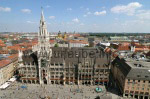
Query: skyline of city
point(70, 16)
point(74, 65)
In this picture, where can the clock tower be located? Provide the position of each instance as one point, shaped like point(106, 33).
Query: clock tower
point(44, 51)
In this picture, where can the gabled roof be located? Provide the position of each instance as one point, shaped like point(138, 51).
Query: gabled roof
point(102, 57)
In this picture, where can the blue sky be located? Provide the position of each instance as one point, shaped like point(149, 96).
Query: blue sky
point(76, 15)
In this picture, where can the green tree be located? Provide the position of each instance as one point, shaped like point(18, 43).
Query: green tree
point(56, 45)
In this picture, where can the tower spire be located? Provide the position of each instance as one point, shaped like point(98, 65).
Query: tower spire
point(43, 34)
point(44, 50)
point(42, 14)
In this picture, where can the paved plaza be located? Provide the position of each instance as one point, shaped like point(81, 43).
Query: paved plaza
point(36, 91)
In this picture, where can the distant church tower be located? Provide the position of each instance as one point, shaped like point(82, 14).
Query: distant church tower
point(132, 46)
point(44, 50)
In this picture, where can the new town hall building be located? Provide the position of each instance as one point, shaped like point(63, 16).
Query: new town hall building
point(62, 65)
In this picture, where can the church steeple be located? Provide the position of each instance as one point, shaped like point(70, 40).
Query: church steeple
point(44, 50)
point(42, 15)
point(42, 21)
point(43, 34)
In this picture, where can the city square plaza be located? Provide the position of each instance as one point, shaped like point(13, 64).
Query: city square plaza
point(35, 91)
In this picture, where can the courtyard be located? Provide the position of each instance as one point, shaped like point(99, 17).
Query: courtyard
point(36, 91)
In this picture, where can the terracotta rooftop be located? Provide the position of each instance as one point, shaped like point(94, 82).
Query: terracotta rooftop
point(120, 47)
point(12, 57)
point(78, 41)
point(4, 62)
point(7, 61)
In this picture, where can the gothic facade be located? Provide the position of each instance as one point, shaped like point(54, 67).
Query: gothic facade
point(62, 65)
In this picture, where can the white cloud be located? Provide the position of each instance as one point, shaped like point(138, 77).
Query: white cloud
point(126, 9)
point(26, 11)
point(76, 20)
point(5, 9)
point(30, 22)
point(88, 13)
point(48, 6)
point(52, 17)
point(69, 9)
point(100, 13)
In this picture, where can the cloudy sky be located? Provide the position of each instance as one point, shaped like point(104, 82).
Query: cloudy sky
point(76, 15)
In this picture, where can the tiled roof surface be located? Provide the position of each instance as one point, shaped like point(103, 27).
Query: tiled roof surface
point(4, 62)
point(7, 61)
point(14, 56)
point(78, 41)
point(102, 58)
point(120, 47)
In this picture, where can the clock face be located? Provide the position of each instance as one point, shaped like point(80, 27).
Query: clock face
point(43, 63)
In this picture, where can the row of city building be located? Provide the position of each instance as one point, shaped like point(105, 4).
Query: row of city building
point(8, 68)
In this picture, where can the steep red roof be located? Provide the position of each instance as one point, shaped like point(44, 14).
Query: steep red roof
point(4, 62)
point(126, 47)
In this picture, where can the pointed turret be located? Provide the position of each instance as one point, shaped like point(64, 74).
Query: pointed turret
point(43, 34)
point(42, 15)
point(42, 21)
